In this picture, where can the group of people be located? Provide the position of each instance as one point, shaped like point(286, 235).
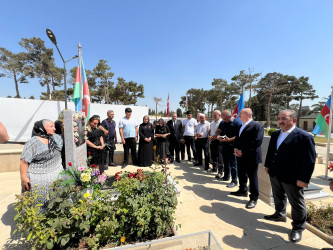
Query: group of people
point(231, 146)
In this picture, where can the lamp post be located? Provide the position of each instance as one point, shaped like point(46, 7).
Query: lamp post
point(52, 37)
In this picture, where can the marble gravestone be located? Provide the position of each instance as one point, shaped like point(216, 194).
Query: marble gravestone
point(74, 138)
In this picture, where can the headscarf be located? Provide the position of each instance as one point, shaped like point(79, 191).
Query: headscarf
point(143, 121)
point(39, 130)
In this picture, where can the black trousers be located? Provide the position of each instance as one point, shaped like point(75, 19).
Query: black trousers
point(295, 196)
point(174, 146)
point(109, 153)
point(248, 171)
point(203, 144)
point(216, 155)
point(130, 144)
point(182, 151)
point(229, 162)
point(189, 142)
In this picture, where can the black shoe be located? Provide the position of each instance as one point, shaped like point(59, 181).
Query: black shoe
point(251, 204)
point(171, 160)
point(275, 217)
point(218, 176)
point(225, 179)
point(231, 185)
point(106, 167)
point(207, 168)
point(214, 170)
point(239, 193)
point(178, 161)
point(189, 160)
point(123, 166)
point(113, 165)
point(197, 164)
point(295, 236)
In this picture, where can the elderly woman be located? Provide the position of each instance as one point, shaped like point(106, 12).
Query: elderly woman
point(161, 133)
point(41, 157)
point(146, 152)
point(95, 143)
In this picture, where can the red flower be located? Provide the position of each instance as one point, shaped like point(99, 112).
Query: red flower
point(69, 164)
point(93, 165)
point(89, 153)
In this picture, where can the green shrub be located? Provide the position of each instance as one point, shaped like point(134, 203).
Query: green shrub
point(144, 211)
point(270, 131)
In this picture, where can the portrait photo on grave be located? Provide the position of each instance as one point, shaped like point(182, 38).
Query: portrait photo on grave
point(79, 128)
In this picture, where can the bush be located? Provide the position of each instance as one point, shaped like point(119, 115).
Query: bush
point(321, 218)
point(144, 211)
point(270, 131)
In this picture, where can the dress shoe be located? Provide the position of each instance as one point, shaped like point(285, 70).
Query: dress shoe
point(214, 170)
point(207, 168)
point(275, 217)
point(295, 236)
point(251, 204)
point(231, 185)
point(197, 164)
point(218, 176)
point(178, 161)
point(106, 167)
point(225, 179)
point(123, 166)
point(171, 161)
point(113, 165)
point(239, 193)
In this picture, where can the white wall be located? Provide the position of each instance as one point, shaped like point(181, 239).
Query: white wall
point(19, 115)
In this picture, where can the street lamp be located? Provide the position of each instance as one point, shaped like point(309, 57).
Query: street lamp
point(52, 37)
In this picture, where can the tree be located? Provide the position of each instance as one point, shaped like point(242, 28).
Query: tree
point(317, 107)
point(41, 60)
point(127, 92)
point(271, 85)
point(212, 97)
point(244, 81)
point(303, 91)
point(219, 85)
point(12, 66)
point(157, 101)
point(196, 100)
point(103, 76)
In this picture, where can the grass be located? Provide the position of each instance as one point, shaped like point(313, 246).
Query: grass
point(320, 217)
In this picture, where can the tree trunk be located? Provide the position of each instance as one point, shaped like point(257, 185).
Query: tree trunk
point(48, 91)
point(211, 112)
point(16, 87)
point(269, 111)
point(299, 111)
point(250, 96)
point(156, 112)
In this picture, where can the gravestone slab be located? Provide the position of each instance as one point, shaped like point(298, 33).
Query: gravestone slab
point(74, 138)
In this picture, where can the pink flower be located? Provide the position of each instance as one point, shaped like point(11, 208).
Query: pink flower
point(81, 168)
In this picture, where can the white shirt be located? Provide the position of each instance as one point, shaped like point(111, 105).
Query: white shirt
point(244, 125)
point(283, 136)
point(189, 126)
point(214, 126)
point(203, 129)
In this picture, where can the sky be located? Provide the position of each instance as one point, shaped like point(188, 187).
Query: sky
point(172, 46)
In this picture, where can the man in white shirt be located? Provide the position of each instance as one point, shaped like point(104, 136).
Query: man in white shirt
point(290, 162)
point(189, 125)
point(201, 137)
point(215, 152)
point(128, 130)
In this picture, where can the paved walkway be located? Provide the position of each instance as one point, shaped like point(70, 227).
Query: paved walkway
point(204, 205)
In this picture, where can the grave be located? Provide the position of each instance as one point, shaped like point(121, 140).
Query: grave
point(74, 138)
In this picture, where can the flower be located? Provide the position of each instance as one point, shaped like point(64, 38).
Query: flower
point(69, 164)
point(81, 168)
point(89, 153)
point(85, 177)
point(86, 195)
point(93, 165)
point(123, 239)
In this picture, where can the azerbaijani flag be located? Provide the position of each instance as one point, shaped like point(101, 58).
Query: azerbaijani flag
point(322, 120)
point(77, 95)
point(86, 95)
point(168, 106)
point(239, 107)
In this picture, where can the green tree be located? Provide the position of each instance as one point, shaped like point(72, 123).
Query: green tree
point(196, 100)
point(127, 92)
point(103, 77)
point(303, 91)
point(271, 85)
point(219, 85)
point(13, 66)
point(41, 60)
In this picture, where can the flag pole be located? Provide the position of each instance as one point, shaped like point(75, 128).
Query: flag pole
point(329, 136)
point(80, 66)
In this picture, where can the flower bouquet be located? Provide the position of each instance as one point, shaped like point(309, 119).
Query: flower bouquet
point(330, 165)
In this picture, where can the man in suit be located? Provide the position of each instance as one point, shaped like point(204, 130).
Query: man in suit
point(290, 163)
point(248, 152)
point(175, 127)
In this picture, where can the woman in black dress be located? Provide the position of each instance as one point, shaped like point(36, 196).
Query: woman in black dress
point(161, 133)
point(95, 143)
point(146, 152)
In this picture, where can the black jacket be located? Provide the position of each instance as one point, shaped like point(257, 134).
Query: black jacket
point(294, 159)
point(175, 131)
point(250, 142)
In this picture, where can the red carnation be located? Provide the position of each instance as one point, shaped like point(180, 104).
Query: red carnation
point(93, 165)
point(89, 153)
point(69, 164)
